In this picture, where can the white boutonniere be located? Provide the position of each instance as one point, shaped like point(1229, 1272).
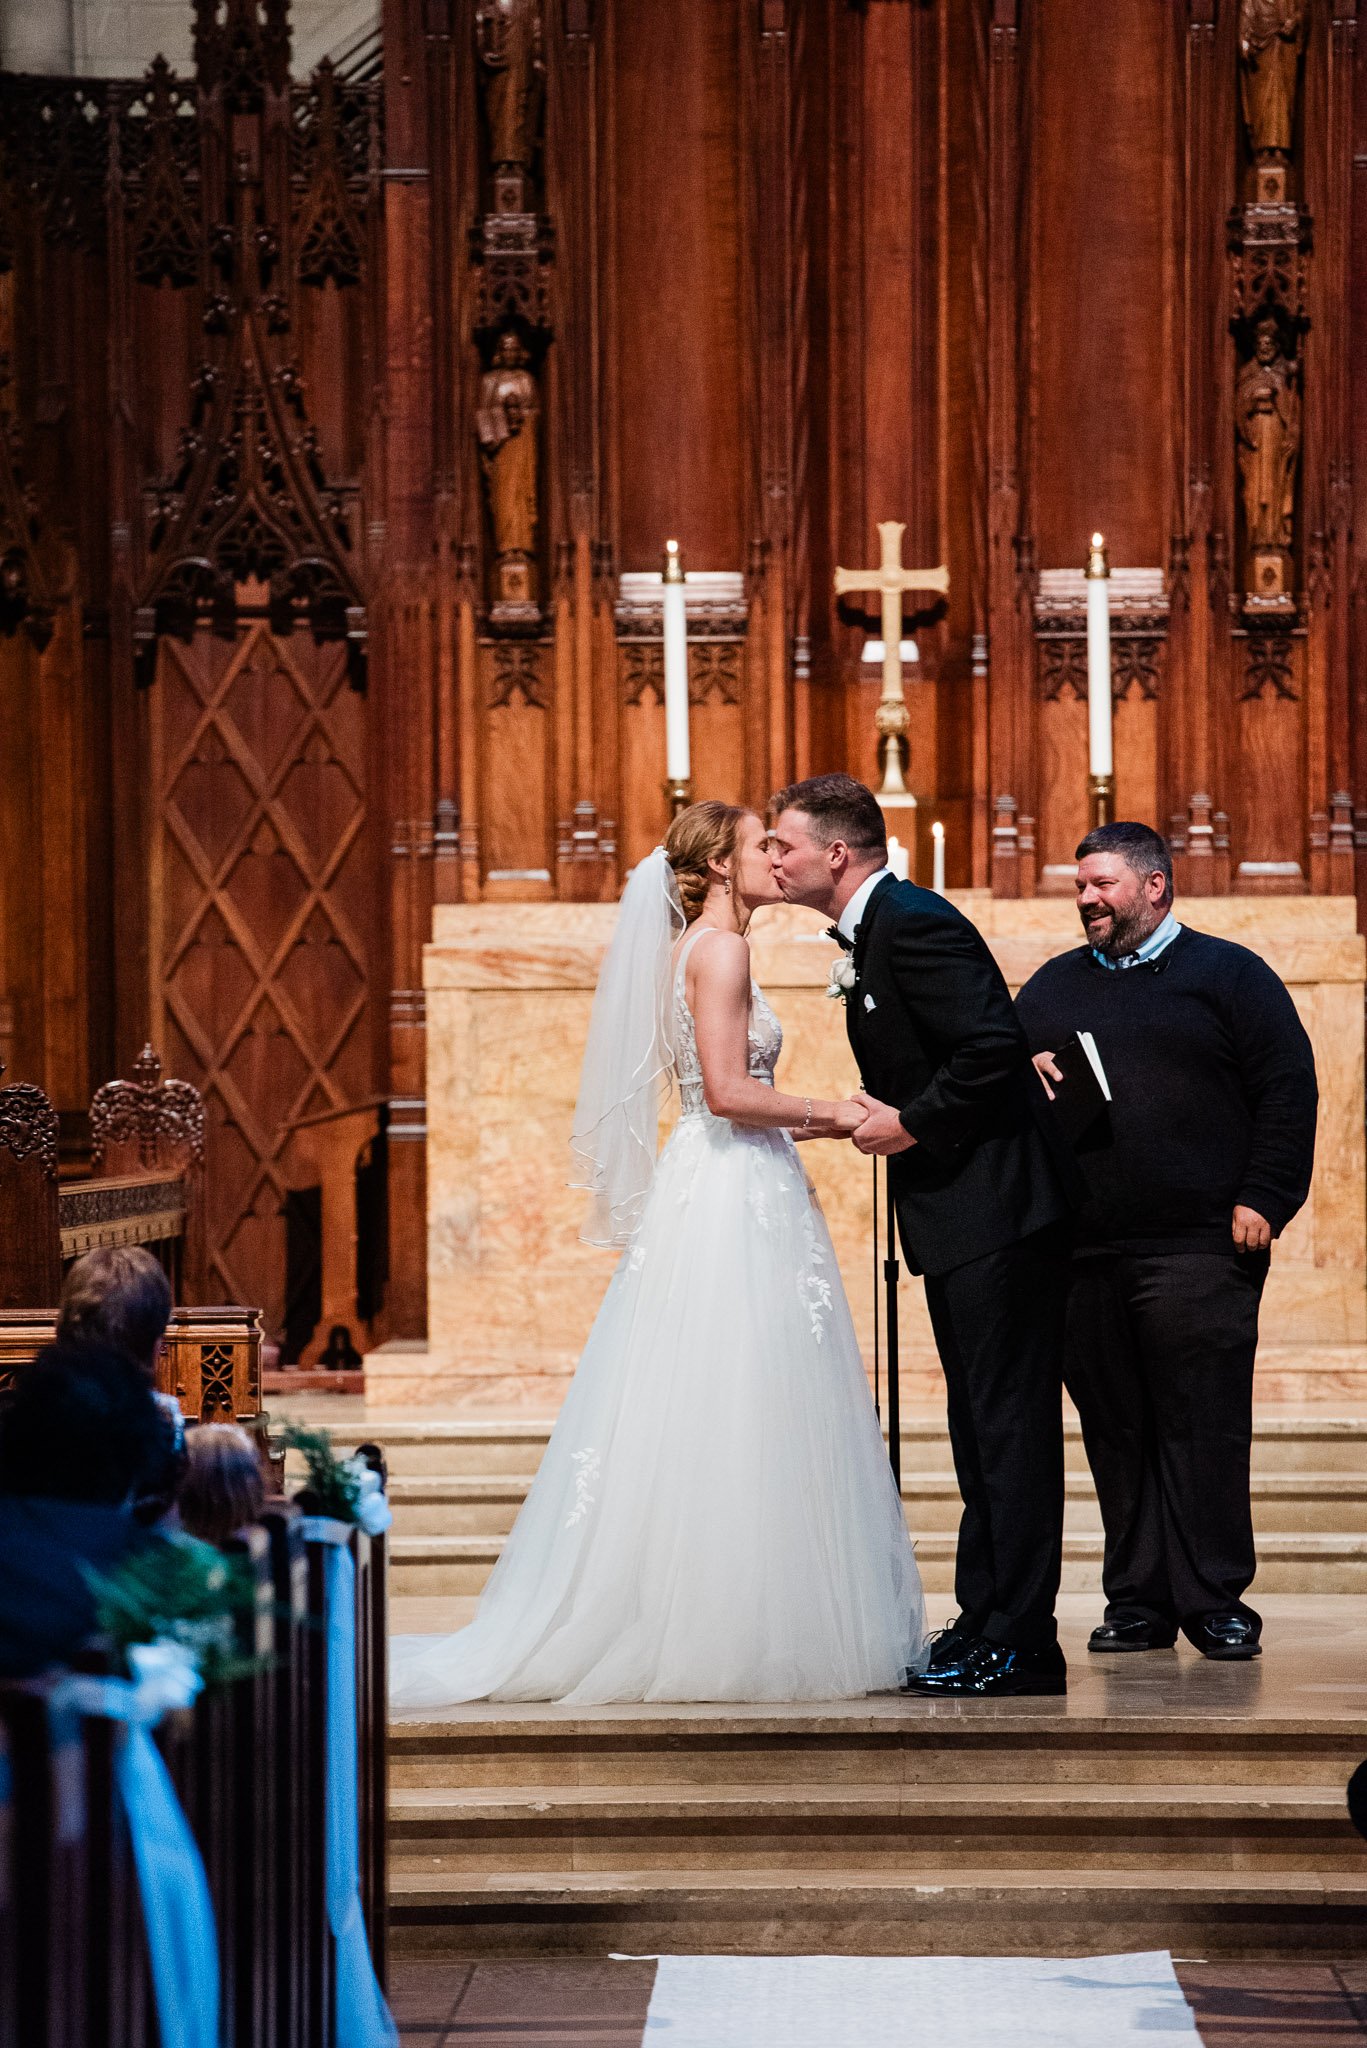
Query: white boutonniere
point(843, 979)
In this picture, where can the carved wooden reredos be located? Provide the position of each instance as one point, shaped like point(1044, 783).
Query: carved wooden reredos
point(343, 419)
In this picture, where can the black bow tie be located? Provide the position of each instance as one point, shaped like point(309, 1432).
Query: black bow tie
point(833, 931)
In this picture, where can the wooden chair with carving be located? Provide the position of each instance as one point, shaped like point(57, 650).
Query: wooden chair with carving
point(146, 1126)
point(30, 1255)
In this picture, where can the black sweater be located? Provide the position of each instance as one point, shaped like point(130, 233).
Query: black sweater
point(1213, 1091)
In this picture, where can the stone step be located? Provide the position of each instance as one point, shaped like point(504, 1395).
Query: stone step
point(1285, 1440)
point(906, 1747)
point(878, 1827)
point(926, 1911)
point(1285, 1502)
point(1287, 1563)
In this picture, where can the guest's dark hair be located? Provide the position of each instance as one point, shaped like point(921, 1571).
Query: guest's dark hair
point(117, 1296)
point(82, 1425)
point(839, 808)
point(1139, 846)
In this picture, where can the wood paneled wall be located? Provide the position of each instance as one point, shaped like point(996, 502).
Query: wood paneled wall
point(386, 388)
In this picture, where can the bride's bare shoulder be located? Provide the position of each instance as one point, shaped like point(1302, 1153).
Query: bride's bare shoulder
point(719, 958)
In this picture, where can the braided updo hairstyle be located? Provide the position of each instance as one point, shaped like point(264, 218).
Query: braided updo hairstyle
point(704, 832)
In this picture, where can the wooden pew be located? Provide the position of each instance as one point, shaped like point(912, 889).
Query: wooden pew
point(11, 1877)
point(298, 1903)
point(211, 1361)
point(372, 1718)
point(253, 1807)
point(319, 1946)
point(249, 1762)
point(49, 1853)
point(118, 1978)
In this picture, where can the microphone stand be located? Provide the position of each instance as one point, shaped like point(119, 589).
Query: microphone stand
point(877, 1390)
point(891, 1270)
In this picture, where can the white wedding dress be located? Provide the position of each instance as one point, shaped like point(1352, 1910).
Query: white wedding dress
point(714, 1517)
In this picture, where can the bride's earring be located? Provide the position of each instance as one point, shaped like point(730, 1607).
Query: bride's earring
point(726, 880)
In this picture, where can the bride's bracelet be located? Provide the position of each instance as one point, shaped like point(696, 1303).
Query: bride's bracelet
point(806, 1123)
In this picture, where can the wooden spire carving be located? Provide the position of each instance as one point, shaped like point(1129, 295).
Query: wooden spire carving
point(249, 501)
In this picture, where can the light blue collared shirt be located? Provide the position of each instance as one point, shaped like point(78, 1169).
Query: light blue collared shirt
point(1157, 942)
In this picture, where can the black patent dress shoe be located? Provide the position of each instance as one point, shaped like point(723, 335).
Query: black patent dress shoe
point(1114, 1636)
point(1228, 1638)
point(981, 1670)
point(943, 1646)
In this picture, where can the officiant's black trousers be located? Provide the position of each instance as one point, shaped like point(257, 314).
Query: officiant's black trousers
point(998, 1325)
point(1159, 1362)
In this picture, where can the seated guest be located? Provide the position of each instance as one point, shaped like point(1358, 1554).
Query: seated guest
point(224, 1487)
point(76, 1443)
point(120, 1297)
point(1201, 1158)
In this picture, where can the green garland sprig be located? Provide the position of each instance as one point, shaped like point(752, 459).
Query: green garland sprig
point(334, 1483)
point(176, 1587)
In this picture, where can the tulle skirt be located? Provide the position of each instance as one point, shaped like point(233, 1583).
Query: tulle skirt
point(714, 1517)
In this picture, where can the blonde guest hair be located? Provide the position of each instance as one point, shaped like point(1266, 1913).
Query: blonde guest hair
point(224, 1488)
point(703, 833)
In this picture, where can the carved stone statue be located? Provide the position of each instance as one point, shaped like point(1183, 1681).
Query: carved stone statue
point(1267, 419)
point(512, 72)
point(1271, 38)
point(506, 423)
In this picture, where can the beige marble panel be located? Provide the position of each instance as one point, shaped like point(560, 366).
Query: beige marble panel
point(512, 1293)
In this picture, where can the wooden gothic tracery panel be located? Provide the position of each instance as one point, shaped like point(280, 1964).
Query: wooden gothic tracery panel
point(261, 900)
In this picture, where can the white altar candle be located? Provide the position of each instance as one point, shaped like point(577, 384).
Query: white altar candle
point(677, 765)
point(937, 880)
point(1099, 658)
point(899, 860)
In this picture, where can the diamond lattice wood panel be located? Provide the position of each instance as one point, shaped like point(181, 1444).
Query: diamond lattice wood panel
point(262, 894)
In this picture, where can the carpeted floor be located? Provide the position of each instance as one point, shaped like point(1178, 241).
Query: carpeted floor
point(583, 2004)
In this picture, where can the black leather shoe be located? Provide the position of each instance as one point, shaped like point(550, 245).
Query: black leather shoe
point(943, 1646)
point(1228, 1638)
point(1132, 1635)
point(987, 1671)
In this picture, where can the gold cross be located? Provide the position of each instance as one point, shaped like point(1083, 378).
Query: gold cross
point(892, 581)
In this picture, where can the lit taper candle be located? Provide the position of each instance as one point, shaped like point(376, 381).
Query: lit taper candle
point(937, 878)
point(1101, 785)
point(677, 764)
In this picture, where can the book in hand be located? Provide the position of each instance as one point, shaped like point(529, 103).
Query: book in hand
point(1084, 1091)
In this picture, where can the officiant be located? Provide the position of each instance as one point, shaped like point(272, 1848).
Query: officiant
point(1197, 1163)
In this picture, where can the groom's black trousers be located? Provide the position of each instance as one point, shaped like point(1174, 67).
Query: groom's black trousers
point(999, 1327)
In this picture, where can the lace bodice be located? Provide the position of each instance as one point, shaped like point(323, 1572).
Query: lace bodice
point(765, 1035)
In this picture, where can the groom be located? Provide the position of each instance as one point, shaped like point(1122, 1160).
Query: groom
point(982, 1212)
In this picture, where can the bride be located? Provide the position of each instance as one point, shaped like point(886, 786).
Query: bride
point(714, 1517)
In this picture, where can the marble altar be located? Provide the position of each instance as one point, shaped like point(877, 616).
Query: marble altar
point(512, 1292)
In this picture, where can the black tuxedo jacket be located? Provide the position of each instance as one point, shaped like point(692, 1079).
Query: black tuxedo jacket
point(935, 1033)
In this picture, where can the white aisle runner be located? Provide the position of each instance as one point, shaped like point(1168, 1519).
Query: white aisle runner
point(917, 2002)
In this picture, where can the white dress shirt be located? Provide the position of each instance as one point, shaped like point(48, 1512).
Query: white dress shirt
point(858, 904)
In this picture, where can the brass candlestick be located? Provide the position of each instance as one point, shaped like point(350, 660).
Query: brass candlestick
point(679, 795)
point(1101, 799)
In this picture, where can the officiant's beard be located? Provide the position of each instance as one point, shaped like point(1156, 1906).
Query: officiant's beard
point(1116, 933)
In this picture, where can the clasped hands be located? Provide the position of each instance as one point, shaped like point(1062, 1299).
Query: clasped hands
point(871, 1126)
